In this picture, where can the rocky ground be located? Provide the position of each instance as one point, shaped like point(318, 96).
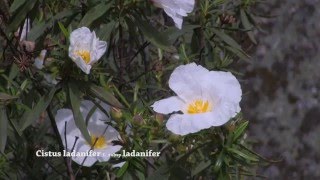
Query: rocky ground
point(282, 89)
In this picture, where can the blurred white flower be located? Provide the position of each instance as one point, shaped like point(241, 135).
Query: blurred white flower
point(101, 134)
point(205, 98)
point(38, 61)
point(176, 9)
point(85, 48)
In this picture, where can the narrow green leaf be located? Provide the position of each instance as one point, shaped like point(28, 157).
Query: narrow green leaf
point(123, 169)
point(74, 95)
point(94, 13)
point(6, 98)
point(247, 25)
point(226, 38)
point(160, 174)
point(64, 30)
point(106, 30)
point(240, 130)
point(243, 155)
point(16, 4)
point(240, 53)
point(3, 128)
point(157, 38)
point(38, 30)
point(32, 115)
point(201, 166)
point(104, 95)
point(219, 161)
point(21, 15)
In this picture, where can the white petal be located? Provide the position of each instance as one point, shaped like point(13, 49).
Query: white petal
point(82, 65)
point(87, 161)
point(66, 127)
point(81, 38)
point(111, 134)
point(168, 105)
point(38, 63)
point(183, 124)
point(25, 29)
point(176, 9)
point(107, 152)
point(226, 85)
point(187, 81)
point(98, 48)
point(185, 5)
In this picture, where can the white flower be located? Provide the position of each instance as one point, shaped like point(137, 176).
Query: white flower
point(85, 48)
point(176, 9)
point(205, 98)
point(101, 134)
point(38, 61)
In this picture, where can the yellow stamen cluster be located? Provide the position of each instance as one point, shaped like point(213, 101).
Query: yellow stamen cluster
point(85, 55)
point(98, 142)
point(199, 106)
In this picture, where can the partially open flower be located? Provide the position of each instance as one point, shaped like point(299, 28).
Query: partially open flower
point(206, 99)
point(85, 48)
point(101, 134)
point(176, 9)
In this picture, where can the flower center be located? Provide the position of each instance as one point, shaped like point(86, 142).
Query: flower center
point(98, 142)
point(199, 106)
point(85, 55)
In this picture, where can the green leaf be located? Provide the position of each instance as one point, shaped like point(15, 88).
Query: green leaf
point(16, 4)
point(64, 30)
point(243, 155)
point(38, 30)
point(226, 38)
point(21, 15)
point(219, 161)
point(104, 95)
point(94, 13)
point(240, 53)
point(160, 174)
point(6, 98)
point(201, 166)
point(157, 38)
point(3, 128)
point(32, 115)
point(240, 130)
point(123, 169)
point(106, 30)
point(247, 25)
point(74, 95)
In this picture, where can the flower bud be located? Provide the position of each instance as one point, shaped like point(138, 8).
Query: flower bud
point(116, 113)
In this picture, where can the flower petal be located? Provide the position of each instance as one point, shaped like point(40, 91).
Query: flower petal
point(226, 86)
point(82, 65)
point(98, 48)
point(87, 161)
point(168, 105)
point(183, 124)
point(187, 81)
point(107, 152)
point(81, 38)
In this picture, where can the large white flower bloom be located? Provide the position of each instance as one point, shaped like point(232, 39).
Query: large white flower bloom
point(176, 9)
point(205, 98)
point(101, 134)
point(85, 48)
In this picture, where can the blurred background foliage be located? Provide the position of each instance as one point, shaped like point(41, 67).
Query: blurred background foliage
point(143, 48)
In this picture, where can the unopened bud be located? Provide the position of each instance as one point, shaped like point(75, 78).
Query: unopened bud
point(116, 113)
point(138, 119)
